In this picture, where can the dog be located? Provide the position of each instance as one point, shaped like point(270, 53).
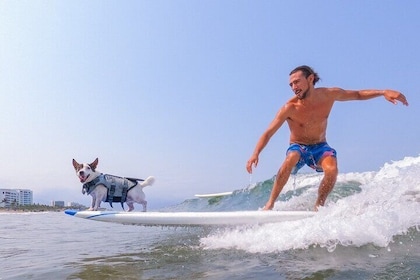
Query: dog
point(109, 188)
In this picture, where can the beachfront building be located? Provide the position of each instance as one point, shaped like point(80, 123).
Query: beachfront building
point(16, 197)
point(57, 203)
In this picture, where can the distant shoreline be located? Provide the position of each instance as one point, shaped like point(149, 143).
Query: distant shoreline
point(10, 210)
point(35, 208)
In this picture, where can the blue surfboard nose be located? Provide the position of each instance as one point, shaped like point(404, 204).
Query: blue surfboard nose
point(70, 212)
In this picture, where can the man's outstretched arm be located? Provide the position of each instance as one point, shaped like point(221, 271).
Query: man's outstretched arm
point(390, 95)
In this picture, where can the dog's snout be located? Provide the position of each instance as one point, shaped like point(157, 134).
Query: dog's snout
point(81, 173)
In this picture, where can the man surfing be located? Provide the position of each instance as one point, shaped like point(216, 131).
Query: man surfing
point(306, 115)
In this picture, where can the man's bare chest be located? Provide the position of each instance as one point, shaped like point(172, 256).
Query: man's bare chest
point(311, 115)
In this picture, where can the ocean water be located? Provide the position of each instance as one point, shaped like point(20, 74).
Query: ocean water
point(369, 229)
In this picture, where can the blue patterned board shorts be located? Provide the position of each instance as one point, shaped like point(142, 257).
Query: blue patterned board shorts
point(311, 155)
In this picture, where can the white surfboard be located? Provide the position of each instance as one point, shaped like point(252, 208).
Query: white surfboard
point(210, 195)
point(192, 218)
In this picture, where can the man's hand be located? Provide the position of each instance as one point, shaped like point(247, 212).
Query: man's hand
point(253, 161)
point(395, 96)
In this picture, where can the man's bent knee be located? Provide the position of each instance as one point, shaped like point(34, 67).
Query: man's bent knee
point(329, 165)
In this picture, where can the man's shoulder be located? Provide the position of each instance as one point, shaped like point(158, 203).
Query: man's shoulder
point(291, 103)
point(328, 93)
point(327, 90)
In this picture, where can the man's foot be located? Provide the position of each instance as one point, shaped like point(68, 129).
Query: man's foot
point(268, 206)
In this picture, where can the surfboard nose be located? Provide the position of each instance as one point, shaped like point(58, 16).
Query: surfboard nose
point(70, 212)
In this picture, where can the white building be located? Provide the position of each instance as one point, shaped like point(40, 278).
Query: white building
point(16, 197)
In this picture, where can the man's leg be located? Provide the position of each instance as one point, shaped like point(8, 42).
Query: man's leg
point(283, 175)
point(329, 165)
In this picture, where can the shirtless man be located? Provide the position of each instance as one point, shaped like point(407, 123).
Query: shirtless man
point(306, 115)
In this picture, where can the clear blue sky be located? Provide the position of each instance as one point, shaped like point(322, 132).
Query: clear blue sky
point(182, 90)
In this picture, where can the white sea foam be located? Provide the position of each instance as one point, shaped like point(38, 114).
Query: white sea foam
point(387, 206)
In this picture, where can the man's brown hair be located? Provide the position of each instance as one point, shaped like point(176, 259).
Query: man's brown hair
point(306, 70)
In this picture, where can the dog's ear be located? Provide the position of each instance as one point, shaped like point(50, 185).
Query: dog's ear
point(94, 164)
point(76, 165)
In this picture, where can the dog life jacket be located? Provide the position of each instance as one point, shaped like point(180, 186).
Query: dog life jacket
point(118, 187)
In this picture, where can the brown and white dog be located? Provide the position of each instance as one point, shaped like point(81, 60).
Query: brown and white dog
point(98, 186)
